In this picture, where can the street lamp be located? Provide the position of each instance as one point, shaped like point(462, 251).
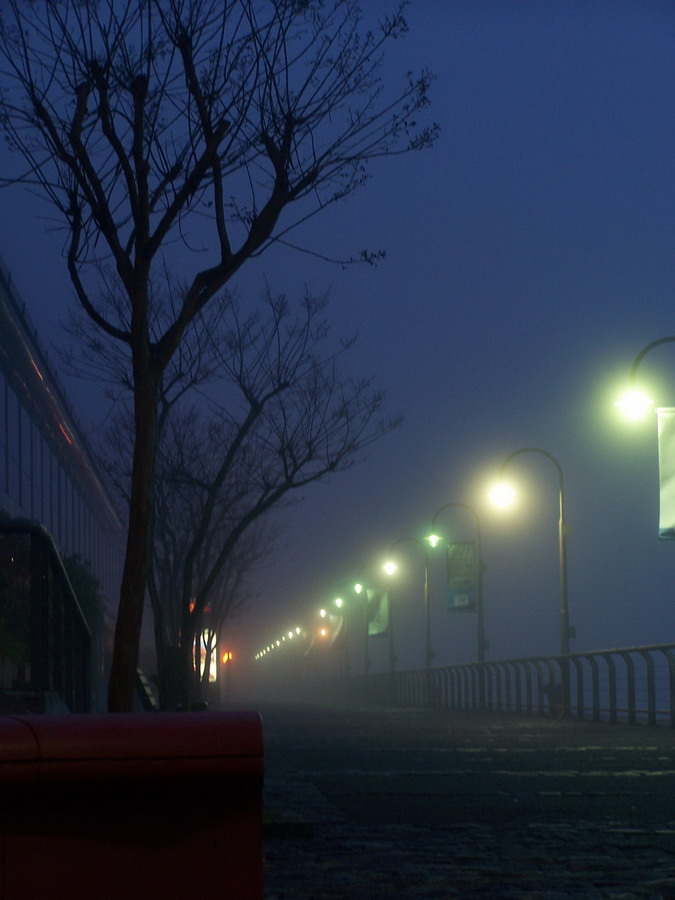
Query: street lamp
point(433, 539)
point(634, 404)
point(428, 652)
point(499, 494)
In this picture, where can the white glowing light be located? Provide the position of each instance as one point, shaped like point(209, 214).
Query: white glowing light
point(502, 495)
point(634, 404)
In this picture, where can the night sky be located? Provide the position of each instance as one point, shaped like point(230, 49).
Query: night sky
point(530, 256)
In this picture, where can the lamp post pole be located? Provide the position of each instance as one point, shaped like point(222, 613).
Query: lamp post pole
point(564, 706)
point(360, 588)
point(562, 544)
point(480, 609)
point(428, 652)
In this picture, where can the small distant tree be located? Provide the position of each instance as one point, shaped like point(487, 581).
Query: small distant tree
point(177, 679)
point(200, 125)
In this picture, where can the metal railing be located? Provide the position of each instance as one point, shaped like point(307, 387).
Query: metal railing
point(45, 642)
point(631, 685)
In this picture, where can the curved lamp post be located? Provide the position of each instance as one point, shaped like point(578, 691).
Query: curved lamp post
point(635, 403)
point(428, 652)
point(480, 613)
point(563, 531)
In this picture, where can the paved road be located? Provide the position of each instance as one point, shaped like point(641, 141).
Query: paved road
point(364, 804)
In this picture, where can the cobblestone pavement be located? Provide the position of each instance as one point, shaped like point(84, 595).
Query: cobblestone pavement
point(536, 862)
point(334, 831)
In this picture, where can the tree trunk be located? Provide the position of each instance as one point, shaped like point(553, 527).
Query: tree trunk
point(139, 540)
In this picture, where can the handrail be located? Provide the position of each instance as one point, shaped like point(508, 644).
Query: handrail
point(623, 685)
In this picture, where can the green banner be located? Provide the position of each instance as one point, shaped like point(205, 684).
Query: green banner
point(378, 613)
point(463, 574)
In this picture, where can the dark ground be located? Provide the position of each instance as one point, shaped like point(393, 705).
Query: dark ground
point(375, 805)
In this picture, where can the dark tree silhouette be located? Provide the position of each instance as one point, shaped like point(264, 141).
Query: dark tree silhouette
point(145, 122)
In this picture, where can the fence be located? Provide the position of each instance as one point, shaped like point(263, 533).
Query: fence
point(632, 685)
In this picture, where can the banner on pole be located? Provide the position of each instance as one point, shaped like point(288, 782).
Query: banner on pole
point(378, 613)
point(666, 431)
point(462, 576)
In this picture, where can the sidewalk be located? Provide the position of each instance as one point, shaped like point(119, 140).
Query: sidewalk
point(316, 850)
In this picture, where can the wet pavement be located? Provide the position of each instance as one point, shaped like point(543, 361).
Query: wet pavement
point(372, 805)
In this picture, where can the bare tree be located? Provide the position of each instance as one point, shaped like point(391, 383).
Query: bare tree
point(278, 416)
point(190, 127)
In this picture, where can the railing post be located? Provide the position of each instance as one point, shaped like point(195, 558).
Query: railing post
point(651, 686)
point(579, 670)
point(611, 671)
point(671, 684)
point(630, 686)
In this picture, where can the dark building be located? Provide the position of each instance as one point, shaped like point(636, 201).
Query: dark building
point(47, 472)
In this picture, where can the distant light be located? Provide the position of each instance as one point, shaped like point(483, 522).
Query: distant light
point(338, 602)
point(358, 588)
point(323, 613)
point(433, 540)
point(634, 404)
point(502, 495)
point(291, 634)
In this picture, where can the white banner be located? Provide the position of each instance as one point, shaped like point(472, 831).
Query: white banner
point(666, 420)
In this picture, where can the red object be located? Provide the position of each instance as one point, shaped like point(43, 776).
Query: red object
point(120, 807)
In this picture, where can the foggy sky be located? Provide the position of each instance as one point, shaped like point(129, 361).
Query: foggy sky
point(530, 256)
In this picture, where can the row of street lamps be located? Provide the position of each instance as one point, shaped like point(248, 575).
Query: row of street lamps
point(634, 404)
point(501, 495)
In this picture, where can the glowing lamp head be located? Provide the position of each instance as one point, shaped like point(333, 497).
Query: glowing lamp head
point(390, 567)
point(323, 613)
point(358, 588)
point(339, 602)
point(433, 540)
point(502, 495)
point(634, 404)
